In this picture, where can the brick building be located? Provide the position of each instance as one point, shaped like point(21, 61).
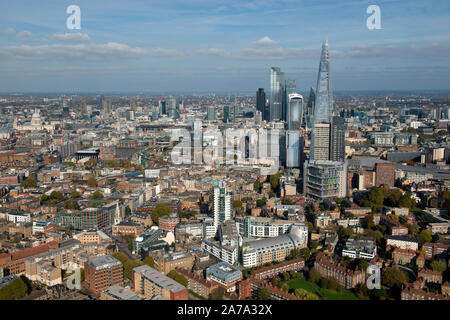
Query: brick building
point(198, 284)
point(272, 271)
point(127, 228)
point(430, 276)
point(102, 272)
point(345, 277)
point(168, 223)
point(416, 294)
point(251, 287)
point(384, 174)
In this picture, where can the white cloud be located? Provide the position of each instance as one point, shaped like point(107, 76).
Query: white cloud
point(109, 50)
point(264, 42)
point(24, 34)
point(10, 31)
point(72, 37)
point(216, 52)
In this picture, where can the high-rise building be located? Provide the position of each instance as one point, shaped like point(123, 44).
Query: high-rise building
point(337, 137)
point(310, 108)
point(276, 94)
point(293, 149)
point(260, 100)
point(83, 107)
point(229, 114)
point(294, 111)
point(162, 107)
point(289, 87)
point(323, 107)
point(325, 179)
point(210, 113)
point(222, 204)
point(106, 108)
point(321, 142)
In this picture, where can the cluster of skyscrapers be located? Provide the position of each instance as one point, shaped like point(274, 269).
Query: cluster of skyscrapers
point(326, 164)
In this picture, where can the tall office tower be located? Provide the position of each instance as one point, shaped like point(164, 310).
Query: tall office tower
point(222, 203)
point(293, 149)
point(172, 108)
point(83, 107)
point(289, 88)
point(310, 108)
point(229, 114)
point(276, 93)
point(337, 137)
point(162, 107)
point(260, 100)
point(294, 111)
point(323, 108)
point(385, 174)
point(106, 108)
point(133, 104)
point(321, 142)
point(211, 113)
point(100, 101)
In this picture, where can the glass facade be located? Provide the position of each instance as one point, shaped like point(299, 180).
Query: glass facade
point(276, 93)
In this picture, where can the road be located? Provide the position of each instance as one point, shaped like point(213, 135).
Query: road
point(410, 271)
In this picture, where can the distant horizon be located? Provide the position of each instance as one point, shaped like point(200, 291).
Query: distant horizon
point(221, 93)
point(217, 46)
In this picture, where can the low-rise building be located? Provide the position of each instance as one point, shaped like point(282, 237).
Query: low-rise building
point(149, 282)
point(225, 275)
point(402, 242)
point(116, 292)
point(365, 249)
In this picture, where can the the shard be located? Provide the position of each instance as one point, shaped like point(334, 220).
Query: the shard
point(323, 107)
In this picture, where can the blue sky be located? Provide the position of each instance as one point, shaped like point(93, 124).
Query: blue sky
point(221, 45)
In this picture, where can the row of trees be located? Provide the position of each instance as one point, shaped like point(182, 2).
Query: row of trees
point(129, 265)
point(377, 197)
point(17, 289)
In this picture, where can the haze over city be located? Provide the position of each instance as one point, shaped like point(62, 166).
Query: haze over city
point(221, 46)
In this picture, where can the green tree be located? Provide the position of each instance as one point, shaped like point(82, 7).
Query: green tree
point(92, 182)
point(263, 294)
point(314, 275)
point(75, 194)
point(261, 202)
point(285, 287)
point(149, 261)
point(305, 253)
point(257, 186)
point(439, 265)
point(286, 276)
point(393, 277)
point(425, 236)
point(56, 195)
point(217, 294)
point(274, 180)
point(178, 277)
point(159, 211)
point(97, 195)
point(17, 289)
point(303, 294)
point(28, 183)
point(71, 204)
point(274, 282)
point(237, 204)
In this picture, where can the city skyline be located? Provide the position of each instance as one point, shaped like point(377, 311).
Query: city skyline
point(224, 46)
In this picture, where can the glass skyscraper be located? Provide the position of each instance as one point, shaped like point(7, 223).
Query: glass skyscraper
point(276, 93)
point(323, 107)
point(294, 111)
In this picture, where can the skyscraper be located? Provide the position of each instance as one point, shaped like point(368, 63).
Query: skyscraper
point(310, 108)
point(321, 142)
point(222, 204)
point(289, 88)
point(323, 107)
point(276, 93)
point(337, 137)
point(162, 107)
point(260, 100)
point(293, 149)
point(294, 111)
point(229, 114)
point(210, 113)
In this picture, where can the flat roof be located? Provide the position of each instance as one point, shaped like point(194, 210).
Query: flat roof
point(159, 279)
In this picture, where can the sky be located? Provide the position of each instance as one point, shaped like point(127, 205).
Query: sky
point(221, 45)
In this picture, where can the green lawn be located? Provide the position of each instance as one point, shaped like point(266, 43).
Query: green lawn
point(301, 283)
point(328, 294)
